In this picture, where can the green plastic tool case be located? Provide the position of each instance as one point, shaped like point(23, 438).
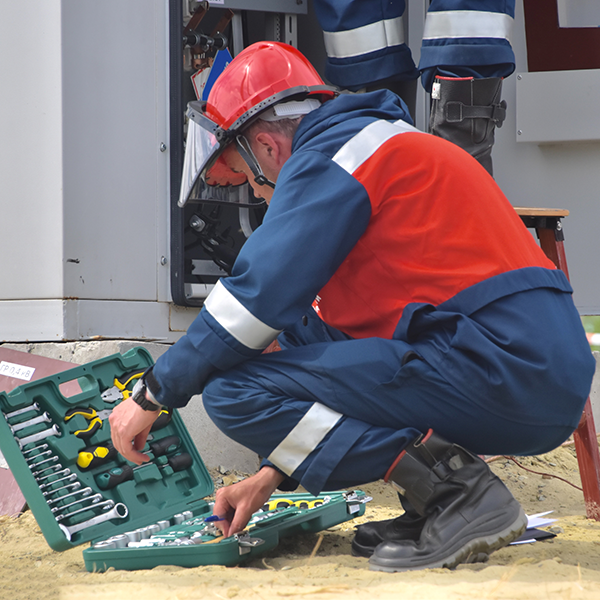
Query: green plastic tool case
point(157, 516)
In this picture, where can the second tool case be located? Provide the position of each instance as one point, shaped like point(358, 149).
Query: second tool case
point(81, 490)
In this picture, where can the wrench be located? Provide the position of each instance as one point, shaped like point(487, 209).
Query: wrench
point(63, 472)
point(95, 498)
point(119, 511)
point(84, 492)
point(75, 486)
point(47, 460)
point(43, 418)
point(38, 456)
point(40, 448)
point(71, 477)
point(22, 411)
point(36, 437)
point(56, 466)
point(105, 506)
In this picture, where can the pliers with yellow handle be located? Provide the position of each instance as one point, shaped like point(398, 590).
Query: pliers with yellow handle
point(120, 390)
point(93, 417)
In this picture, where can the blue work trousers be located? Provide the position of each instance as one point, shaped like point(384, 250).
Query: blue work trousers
point(386, 396)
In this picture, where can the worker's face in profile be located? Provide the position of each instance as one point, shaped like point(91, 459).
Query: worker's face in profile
point(238, 165)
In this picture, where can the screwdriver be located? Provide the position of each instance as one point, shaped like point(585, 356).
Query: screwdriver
point(98, 455)
point(112, 478)
point(95, 456)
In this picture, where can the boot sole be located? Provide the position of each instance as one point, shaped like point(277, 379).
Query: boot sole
point(477, 548)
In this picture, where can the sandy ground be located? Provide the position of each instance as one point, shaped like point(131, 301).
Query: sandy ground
point(566, 567)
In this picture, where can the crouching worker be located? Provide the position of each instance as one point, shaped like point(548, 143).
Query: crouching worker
point(414, 336)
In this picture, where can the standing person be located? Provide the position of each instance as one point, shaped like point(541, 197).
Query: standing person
point(414, 337)
point(465, 54)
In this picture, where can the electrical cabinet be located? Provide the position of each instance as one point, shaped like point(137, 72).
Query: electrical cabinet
point(208, 232)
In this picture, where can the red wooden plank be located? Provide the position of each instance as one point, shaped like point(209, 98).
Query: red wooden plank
point(12, 500)
point(586, 445)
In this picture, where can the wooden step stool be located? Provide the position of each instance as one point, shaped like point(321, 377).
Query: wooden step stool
point(548, 226)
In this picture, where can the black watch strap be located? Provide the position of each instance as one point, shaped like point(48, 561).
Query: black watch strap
point(139, 397)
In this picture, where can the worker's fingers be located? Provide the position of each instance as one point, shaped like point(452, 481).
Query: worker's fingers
point(223, 509)
point(240, 520)
point(140, 439)
point(129, 426)
point(238, 502)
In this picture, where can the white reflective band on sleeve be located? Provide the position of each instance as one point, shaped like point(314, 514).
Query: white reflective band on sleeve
point(304, 438)
point(367, 141)
point(237, 320)
point(365, 39)
point(448, 24)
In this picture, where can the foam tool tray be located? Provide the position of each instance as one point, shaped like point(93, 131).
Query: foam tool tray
point(192, 539)
point(56, 442)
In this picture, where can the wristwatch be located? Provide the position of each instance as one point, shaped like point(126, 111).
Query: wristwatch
point(139, 397)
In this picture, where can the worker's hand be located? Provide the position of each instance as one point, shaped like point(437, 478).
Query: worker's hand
point(129, 427)
point(238, 502)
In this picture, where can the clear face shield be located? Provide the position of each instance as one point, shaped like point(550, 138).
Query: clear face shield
point(206, 176)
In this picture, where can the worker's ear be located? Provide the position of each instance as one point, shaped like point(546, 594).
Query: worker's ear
point(273, 147)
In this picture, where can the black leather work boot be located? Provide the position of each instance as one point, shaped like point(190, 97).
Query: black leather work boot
point(469, 511)
point(466, 111)
point(407, 526)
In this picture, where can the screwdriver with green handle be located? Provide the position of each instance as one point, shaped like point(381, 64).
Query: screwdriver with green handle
point(98, 455)
point(118, 475)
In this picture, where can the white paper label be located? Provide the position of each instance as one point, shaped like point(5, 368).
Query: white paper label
point(19, 371)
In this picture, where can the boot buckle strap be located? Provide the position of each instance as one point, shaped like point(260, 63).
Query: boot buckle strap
point(457, 112)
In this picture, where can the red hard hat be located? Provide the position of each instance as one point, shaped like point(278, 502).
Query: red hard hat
point(264, 74)
point(257, 78)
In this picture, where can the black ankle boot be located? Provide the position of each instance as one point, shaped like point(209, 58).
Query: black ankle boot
point(407, 526)
point(466, 111)
point(469, 511)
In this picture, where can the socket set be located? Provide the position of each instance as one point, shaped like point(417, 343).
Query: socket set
point(192, 539)
point(81, 490)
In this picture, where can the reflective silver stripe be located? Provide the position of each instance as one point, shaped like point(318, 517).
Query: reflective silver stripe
point(365, 39)
point(447, 24)
point(367, 141)
point(237, 320)
point(304, 438)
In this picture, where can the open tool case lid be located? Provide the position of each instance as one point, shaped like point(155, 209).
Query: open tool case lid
point(155, 492)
